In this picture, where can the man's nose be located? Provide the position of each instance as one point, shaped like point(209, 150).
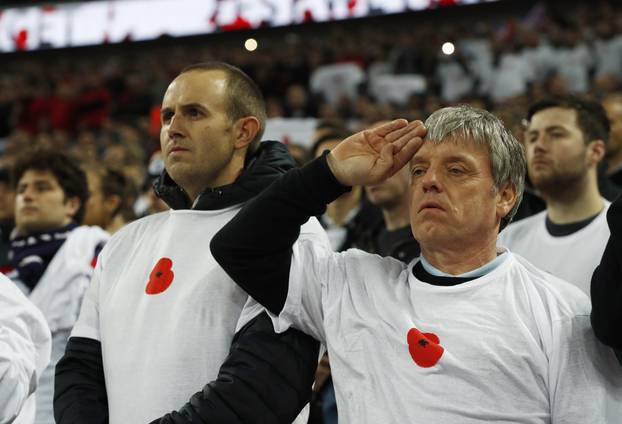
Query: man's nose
point(27, 193)
point(540, 143)
point(175, 127)
point(430, 180)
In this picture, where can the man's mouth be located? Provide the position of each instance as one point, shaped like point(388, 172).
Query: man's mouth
point(178, 149)
point(430, 205)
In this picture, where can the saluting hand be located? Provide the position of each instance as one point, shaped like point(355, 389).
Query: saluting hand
point(371, 156)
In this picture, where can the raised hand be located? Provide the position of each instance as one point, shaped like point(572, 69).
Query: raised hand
point(371, 156)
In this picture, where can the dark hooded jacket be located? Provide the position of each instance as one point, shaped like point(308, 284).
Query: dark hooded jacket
point(266, 378)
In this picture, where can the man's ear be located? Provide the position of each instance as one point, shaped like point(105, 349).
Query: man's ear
point(73, 204)
point(506, 198)
point(245, 130)
point(596, 151)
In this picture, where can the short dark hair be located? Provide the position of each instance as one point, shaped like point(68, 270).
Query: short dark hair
point(591, 116)
point(244, 96)
point(112, 183)
point(68, 173)
point(333, 135)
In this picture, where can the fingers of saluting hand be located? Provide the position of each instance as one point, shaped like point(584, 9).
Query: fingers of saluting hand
point(401, 135)
point(405, 153)
point(389, 127)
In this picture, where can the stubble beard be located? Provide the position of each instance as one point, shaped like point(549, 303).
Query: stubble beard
point(560, 186)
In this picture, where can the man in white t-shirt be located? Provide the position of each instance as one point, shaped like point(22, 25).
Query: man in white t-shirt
point(160, 316)
point(470, 333)
point(52, 256)
point(25, 346)
point(565, 144)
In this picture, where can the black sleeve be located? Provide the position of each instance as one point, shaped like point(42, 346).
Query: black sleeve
point(266, 379)
point(255, 247)
point(606, 286)
point(79, 384)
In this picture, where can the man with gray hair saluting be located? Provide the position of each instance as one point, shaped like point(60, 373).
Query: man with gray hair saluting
point(469, 333)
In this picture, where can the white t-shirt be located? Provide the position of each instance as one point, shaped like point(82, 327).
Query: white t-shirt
point(58, 294)
point(515, 345)
point(25, 345)
point(159, 349)
point(572, 258)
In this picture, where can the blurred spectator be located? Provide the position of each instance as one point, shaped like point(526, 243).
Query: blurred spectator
point(393, 236)
point(565, 143)
point(613, 106)
point(573, 59)
point(7, 217)
point(107, 205)
point(51, 254)
point(349, 218)
point(147, 202)
point(511, 73)
point(608, 52)
point(298, 103)
point(299, 153)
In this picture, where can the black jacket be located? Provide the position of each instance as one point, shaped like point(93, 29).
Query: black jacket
point(606, 289)
point(266, 378)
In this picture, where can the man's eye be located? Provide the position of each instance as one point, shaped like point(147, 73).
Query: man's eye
point(193, 113)
point(417, 172)
point(166, 117)
point(456, 171)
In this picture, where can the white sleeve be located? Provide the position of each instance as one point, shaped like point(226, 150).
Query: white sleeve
point(25, 347)
point(317, 277)
point(585, 381)
point(87, 324)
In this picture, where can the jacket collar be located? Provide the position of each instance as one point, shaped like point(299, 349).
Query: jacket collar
point(270, 161)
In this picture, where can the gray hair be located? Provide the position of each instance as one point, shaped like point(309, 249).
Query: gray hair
point(507, 157)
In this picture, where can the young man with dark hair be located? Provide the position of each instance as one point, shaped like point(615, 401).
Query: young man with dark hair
point(51, 254)
point(565, 143)
point(107, 203)
point(160, 315)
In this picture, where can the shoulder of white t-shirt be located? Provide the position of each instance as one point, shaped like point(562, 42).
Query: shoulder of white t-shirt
point(567, 298)
point(525, 224)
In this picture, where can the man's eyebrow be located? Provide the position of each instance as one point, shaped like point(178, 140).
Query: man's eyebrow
point(459, 158)
point(549, 128)
point(417, 160)
point(193, 105)
point(555, 127)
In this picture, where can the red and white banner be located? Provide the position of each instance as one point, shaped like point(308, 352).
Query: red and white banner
point(114, 21)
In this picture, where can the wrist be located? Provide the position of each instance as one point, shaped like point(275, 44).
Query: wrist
point(333, 166)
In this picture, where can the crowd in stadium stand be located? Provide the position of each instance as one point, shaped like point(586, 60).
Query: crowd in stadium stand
point(105, 106)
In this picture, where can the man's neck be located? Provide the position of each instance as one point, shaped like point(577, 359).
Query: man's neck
point(226, 177)
point(460, 258)
point(585, 203)
point(396, 217)
point(339, 209)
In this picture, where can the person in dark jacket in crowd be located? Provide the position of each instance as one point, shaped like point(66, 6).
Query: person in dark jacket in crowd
point(393, 236)
point(160, 315)
point(606, 288)
point(349, 219)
